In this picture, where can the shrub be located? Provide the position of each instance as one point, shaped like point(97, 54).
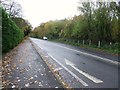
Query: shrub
point(11, 34)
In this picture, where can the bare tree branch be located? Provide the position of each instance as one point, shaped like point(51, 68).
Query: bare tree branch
point(13, 8)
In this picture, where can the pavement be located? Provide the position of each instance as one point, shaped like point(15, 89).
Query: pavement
point(23, 67)
point(75, 67)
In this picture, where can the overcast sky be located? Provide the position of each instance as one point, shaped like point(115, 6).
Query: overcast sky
point(38, 11)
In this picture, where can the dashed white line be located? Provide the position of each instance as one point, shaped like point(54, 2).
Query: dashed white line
point(101, 58)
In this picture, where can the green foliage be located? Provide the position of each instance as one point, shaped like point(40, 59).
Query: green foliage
point(98, 21)
point(50, 29)
point(0, 33)
point(11, 34)
point(24, 25)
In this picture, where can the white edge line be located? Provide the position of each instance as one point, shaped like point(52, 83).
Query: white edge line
point(80, 80)
point(105, 59)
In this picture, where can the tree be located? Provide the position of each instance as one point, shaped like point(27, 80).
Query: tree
point(98, 21)
point(23, 24)
point(13, 8)
point(86, 9)
point(115, 20)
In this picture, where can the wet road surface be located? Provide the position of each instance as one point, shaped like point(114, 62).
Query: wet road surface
point(78, 67)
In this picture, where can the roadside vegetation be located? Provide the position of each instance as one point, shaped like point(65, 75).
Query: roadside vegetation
point(97, 26)
point(14, 27)
point(11, 34)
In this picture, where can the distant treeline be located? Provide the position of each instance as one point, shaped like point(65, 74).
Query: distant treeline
point(13, 31)
point(98, 21)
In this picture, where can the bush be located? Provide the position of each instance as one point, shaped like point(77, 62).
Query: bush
point(11, 34)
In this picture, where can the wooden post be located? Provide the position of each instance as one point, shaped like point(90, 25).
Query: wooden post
point(110, 44)
point(89, 42)
point(73, 41)
point(98, 44)
point(70, 41)
point(67, 40)
point(83, 42)
point(78, 42)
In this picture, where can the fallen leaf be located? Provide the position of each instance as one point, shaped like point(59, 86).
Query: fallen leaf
point(35, 76)
point(17, 68)
point(56, 87)
point(21, 61)
point(9, 76)
point(19, 80)
point(31, 78)
point(57, 69)
point(27, 85)
point(40, 84)
point(17, 77)
point(13, 86)
point(49, 71)
point(35, 81)
point(42, 74)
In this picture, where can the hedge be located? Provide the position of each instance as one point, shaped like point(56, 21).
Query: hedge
point(11, 34)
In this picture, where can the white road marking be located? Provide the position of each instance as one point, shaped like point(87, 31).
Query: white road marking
point(80, 80)
point(105, 59)
point(69, 62)
point(94, 79)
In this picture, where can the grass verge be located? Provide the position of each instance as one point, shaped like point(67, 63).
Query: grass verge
point(114, 49)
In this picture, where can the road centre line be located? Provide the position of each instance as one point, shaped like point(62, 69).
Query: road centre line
point(74, 75)
point(84, 53)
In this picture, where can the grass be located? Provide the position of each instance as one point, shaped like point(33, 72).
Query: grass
point(113, 49)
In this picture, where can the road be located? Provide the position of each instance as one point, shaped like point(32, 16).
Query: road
point(83, 65)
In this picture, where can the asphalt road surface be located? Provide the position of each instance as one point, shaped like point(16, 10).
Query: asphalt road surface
point(82, 64)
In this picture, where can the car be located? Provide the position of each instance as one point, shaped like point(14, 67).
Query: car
point(45, 38)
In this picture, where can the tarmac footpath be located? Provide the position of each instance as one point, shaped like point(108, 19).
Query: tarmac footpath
point(24, 68)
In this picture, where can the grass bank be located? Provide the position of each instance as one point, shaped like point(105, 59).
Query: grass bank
point(112, 49)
